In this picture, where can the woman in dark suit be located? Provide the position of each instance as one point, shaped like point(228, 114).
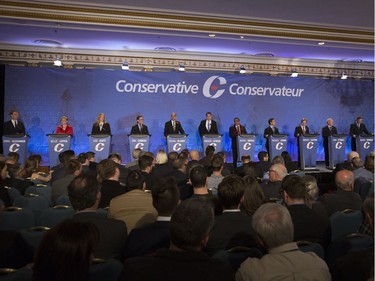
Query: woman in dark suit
point(100, 127)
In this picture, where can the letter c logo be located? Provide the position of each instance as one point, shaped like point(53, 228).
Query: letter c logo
point(58, 147)
point(366, 145)
point(310, 145)
point(99, 147)
point(14, 147)
point(279, 146)
point(139, 145)
point(177, 147)
point(338, 145)
point(247, 146)
point(208, 87)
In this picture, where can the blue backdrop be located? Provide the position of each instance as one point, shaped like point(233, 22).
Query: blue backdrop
point(42, 95)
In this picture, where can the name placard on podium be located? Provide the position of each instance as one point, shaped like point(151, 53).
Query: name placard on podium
point(364, 145)
point(101, 145)
point(57, 143)
point(245, 146)
point(213, 140)
point(16, 143)
point(176, 142)
point(308, 145)
point(139, 141)
point(336, 149)
point(278, 144)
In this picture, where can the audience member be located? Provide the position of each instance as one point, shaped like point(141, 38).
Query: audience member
point(15, 180)
point(344, 197)
point(108, 176)
point(29, 171)
point(209, 153)
point(59, 170)
point(217, 165)
point(124, 172)
point(232, 222)
point(92, 161)
point(289, 164)
point(134, 164)
point(308, 225)
point(146, 164)
point(360, 173)
point(12, 158)
point(146, 239)
point(194, 159)
point(253, 196)
point(184, 261)
point(85, 163)
point(4, 195)
point(179, 171)
point(228, 168)
point(277, 173)
point(134, 207)
point(60, 186)
point(284, 261)
point(65, 252)
point(312, 195)
point(263, 165)
point(162, 167)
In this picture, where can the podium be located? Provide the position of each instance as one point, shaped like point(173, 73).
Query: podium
point(139, 141)
point(176, 142)
point(101, 145)
point(308, 145)
point(213, 140)
point(245, 146)
point(277, 143)
point(336, 149)
point(364, 145)
point(57, 143)
point(16, 143)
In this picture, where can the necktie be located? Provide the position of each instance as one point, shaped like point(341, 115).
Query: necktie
point(15, 124)
point(140, 128)
point(303, 129)
point(174, 125)
point(238, 130)
point(209, 126)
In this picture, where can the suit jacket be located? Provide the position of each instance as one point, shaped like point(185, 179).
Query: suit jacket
point(233, 133)
point(225, 229)
point(326, 132)
point(146, 239)
point(298, 131)
point(106, 130)
point(203, 130)
point(68, 130)
point(341, 200)
point(136, 131)
point(9, 129)
point(309, 225)
point(112, 232)
point(268, 132)
point(355, 131)
point(271, 189)
point(110, 189)
point(168, 128)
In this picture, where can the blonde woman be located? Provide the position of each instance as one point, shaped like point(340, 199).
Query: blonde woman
point(101, 127)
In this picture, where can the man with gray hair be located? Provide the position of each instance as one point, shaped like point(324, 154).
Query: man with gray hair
point(277, 173)
point(284, 261)
point(359, 172)
point(344, 197)
point(328, 131)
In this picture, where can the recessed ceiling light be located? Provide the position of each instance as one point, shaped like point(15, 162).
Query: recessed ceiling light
point(168, 49)
point(212, 35)
point(242, 37)
point(57, 62)
point(321, 43)
point(47, 42)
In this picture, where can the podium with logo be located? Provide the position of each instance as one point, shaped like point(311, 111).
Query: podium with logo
point(16, 143)
point(336, 149)
point(57, 143)
point(308, 145)
point(101, 145)
point(245, 145)
point(176, 142)
point(364, 145)
point(139, 141)
point(277, 143)
point(213, 140)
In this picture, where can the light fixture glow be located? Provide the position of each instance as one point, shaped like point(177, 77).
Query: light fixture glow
point(321, 43)
point(181, 67)
point(212, 35)
point(125, 65)
point(344, 76)
point(242, 69)
point(57, 62)
point(242, 37)
point(294, 73)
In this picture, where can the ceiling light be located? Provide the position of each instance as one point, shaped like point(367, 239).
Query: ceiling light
point(242, 37)
point(242, 69)
point(57, 62)
point(344, 76)
point(294, 73)
point(181, 67)
point(211, 35)
point(125, 65)
point(321, 43)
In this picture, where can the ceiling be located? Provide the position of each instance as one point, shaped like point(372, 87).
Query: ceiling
point(280, 32)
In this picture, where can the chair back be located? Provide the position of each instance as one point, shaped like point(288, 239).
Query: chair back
point(35, 203)
point(108, 270)
point(14, 218)
point(34, 235)
point(345, 222)
point(53, 216)
point(63, 200)
point(307, 246)
point(13, 193)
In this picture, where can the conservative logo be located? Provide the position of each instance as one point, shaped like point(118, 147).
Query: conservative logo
point(14, 147)
point(58, 147)
point(211, 89)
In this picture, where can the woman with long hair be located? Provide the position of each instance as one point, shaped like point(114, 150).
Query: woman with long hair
point(101, 127)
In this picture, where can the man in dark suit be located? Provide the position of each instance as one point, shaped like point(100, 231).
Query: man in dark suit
point(232, 222)
point(84, 194)
point(299, 131)
point(208, 126)
point(357, 129)
point(146, 239)
point(139, 128)
point(173, 126)
point(234, 131)
point(14, 126)
point(327, 131)
point(269, 131)
point(124, 172)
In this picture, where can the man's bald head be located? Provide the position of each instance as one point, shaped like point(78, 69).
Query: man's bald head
point(352, 154)
point(345, 180)
point(194, 154)
point(277, 172)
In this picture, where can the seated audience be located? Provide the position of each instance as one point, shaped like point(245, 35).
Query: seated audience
point(217, 165)
point(66, 251)
point(232, 222)
point(184, 260)
point(59, 170)
point(84, 194)
point(194, 159)
point(344, 197)
point(29, 171)
point(146, 165)
point(284, 261)
point(263, 165)
point(312, 195)
point(134, 207)
point(108, 176)
point(179, 171)
point(124, 172)
point(277, 173)
point(228, 168)
point(13, 158)
point(253, 196)
point(360, 173)
point(289, 164)
point(206, 160)
point(4, 195)
point(146, 239)
point(308, 225)
point(92, 161)
point(134, 164)
point(162, 166)
point(85, 163)
point(15, 180)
